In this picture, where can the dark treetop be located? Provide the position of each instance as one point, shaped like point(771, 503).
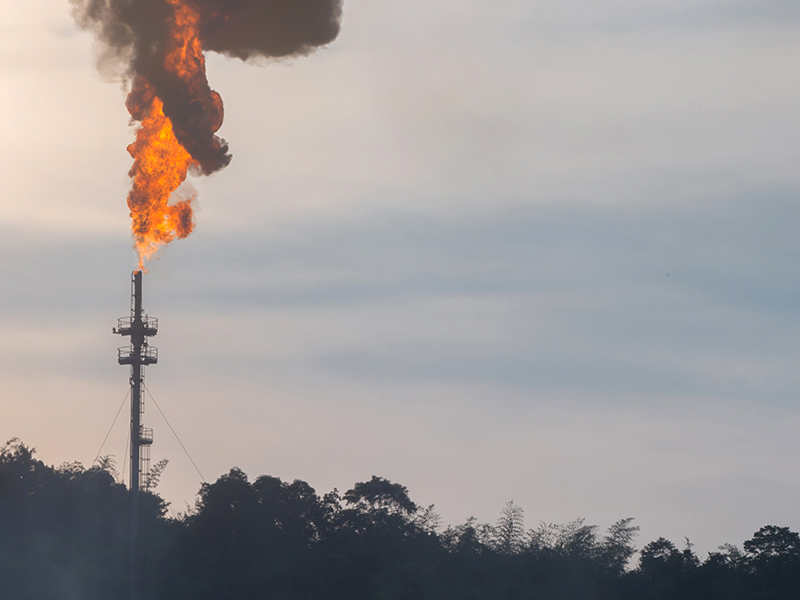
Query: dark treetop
point(63, 535)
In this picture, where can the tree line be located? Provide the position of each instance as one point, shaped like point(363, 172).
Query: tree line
point(64, 534)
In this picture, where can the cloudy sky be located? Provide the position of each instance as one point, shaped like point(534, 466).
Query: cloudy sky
point(542, 251)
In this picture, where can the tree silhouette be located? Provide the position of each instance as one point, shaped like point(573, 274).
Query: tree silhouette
point(774, 555)
point(64, 534)
point(509, 532)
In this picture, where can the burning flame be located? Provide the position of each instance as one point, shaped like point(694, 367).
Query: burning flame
point(160, 44)
point(160, 161)
point(160, 165)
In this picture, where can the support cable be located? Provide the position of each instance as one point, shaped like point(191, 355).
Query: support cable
point(114, 422)
point(174, 433)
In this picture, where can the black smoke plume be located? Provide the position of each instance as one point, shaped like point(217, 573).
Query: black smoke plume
point(135, 36)
point(270, 28)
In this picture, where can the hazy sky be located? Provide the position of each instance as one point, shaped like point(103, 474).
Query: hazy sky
point(542, 251)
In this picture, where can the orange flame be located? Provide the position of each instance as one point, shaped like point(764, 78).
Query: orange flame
point(159, 167)
point(160, 161)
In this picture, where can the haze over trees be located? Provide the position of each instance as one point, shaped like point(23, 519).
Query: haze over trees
point(64, 535)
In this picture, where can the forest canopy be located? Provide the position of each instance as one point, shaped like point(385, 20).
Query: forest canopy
point(64, 534)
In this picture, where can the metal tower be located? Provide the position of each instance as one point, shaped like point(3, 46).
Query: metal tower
point(138, 355)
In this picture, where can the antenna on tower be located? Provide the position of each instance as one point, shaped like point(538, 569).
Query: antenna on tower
point(138, 355)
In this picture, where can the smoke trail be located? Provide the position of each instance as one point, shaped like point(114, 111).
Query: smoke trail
point(157, 46)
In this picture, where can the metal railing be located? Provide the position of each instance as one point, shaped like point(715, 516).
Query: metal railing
point(148, 354)
point(125, 323)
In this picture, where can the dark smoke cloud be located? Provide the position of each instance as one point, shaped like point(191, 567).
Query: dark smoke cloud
point(134, 35)
point(272, 28)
